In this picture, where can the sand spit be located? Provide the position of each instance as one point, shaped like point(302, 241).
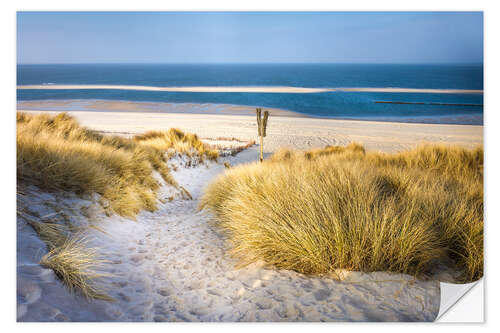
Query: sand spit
point(282, 90)
point(170, 265)
point(234, 89)
point(412, 90)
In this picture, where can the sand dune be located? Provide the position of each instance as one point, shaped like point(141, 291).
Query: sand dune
point(171, 265)
point(263, 89)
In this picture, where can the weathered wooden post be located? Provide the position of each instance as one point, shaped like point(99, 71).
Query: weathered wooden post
point(262, 125)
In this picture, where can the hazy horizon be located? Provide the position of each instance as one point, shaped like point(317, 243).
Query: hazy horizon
point(254, 63)
point(249, 38)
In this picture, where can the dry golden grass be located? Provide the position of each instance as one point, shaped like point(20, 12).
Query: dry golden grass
point(342, 207)
point(233, 151)
point(54, 153)
point(69, 255)
point(52, 234)
point(78, 266)
point(174, 139)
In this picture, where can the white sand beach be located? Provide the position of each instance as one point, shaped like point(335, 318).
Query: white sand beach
point(171, 264)
point(288, 130)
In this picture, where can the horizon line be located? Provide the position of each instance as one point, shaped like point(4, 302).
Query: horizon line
point(251, 63)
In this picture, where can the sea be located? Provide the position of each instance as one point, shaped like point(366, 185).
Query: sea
point(425, 107)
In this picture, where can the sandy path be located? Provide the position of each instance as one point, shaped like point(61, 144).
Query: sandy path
point(293, 132)
point(171, 265)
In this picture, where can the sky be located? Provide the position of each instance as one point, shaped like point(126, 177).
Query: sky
point(249, 37)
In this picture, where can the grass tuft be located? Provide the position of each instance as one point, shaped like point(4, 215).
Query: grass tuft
point(70, 257)
point(345, 208)
point(78, 266)
point(184, 143)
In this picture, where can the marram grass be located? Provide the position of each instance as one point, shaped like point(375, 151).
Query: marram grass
point(344, 208)
point(70, 257)
point(56, 153)
point(78, 266)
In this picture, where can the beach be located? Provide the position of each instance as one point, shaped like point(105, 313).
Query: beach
point(171, 264)
point(286, 129)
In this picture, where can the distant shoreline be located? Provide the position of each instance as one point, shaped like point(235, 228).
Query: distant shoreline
point(103, 105)
point(245, 89)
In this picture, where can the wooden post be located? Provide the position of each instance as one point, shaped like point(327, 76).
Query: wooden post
point(261, 148)
point(261, 129)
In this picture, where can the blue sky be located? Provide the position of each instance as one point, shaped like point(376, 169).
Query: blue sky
point(242, 37)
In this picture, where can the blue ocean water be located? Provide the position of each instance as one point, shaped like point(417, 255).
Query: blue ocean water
point(336, 104)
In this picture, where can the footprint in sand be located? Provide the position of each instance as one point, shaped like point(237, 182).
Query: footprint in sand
point(164, 292)
point(137, 258)
point(214, 292)
point(322, 294)
point(264, 303)
point(120, 284)
point(195, 285)
point(124, 297)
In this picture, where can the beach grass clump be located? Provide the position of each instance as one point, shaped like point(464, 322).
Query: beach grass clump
point(56, 153)
point(70, 257)
point(176, 140)
point(344, 208)
point(78, 266)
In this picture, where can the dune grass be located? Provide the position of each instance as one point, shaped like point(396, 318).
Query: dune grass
point(69, 255)
point(344, 208)
point(78, 266)
point(176, 141)
point(52, 234)
point(56, 153)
